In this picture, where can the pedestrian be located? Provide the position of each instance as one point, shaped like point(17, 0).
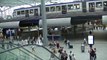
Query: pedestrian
point(65, 55)
point(70, 55)
point(10, 43)
point(95, 54)
point(90, 33)
point(68, 43)
point(2, 43)
point(92, 54)
point(85, 41)
point(61, 50)
point(57, 45)
point(65, 42)
point(52, 56)
point(73, 57)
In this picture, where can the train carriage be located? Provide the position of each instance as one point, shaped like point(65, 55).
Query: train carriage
point(30, 11)
point(96, 6)
point(62, 8)
point(68, 9)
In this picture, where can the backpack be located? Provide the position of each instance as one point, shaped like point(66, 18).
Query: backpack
point(92, 53)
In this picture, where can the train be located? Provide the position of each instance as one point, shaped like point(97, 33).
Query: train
point(61, 10)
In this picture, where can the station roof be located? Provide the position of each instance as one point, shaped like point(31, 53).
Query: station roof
point(13, 3)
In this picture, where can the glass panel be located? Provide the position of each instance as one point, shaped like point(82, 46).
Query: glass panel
point(64, 9)
point(18, 12)
point(91, 7)
point(77, 6)
point(27, 52)
point(31, 11)
point(52, 9)
point(58, 8)
point(105, 3)
point(70, 7)
point(98, 4)
point(26, 13)
point(22, 12)
point(47, 9)
point(6, 45)
point(18, 54)
point(41, 52)
point(36, 12)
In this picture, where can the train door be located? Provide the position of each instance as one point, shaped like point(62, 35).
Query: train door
point(64, 9)
point(91, 7)
point(36, 12)
point(84, 9)
point(26, 13)
point(105, 5)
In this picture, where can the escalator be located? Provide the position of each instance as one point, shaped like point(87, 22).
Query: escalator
point(24, 52)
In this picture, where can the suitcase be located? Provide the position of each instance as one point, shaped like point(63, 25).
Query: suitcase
point(70, 46)
point(82, 48)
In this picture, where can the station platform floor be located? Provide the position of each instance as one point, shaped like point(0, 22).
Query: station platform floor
point(100, 45)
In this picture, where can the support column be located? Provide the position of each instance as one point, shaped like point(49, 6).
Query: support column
point(83, 27)
point(74, 29)
point(1, 14)
point(44, 23)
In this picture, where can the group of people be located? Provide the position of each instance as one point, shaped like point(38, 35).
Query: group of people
point(31, 41)
point(57, 48)
point(65, 56)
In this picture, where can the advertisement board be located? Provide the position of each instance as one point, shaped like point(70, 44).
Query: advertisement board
point(91, 39)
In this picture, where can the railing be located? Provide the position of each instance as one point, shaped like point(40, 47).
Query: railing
point(17, 53)
point(26, 52)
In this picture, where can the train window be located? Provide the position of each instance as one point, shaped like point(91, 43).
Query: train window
point(64, 9)
point(18, 12)
point(105, 3)
point(52, 8)
point(98, 4)
point(47, 9)
point(70, 7)
point(58, 8)
point(22, 12)
point(31, 11)
point(27, 13)
point(91, 5)
point(77, 6)
point(35, 12)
